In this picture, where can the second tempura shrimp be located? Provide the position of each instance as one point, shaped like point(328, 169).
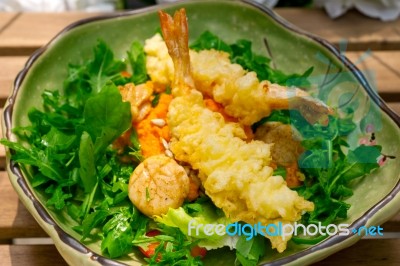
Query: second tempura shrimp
point(229, 84)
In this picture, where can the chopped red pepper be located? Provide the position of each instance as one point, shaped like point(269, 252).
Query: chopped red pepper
point(152, 233)
point(198, 251)
point(150, 250)
point(125, 74)
point(151, 247)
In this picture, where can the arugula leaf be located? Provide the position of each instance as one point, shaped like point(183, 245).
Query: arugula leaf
point(93, 220)
point(35, 157)
point(361, 161)
point(118, 234)
point(90, 77)
point(328, 174)
point(328, 180)
point(106, 117)
point(69, 154)
point(103, 67)
point(327, 168)
point(135, 148)
point(208, 41)
point(174, 247)
point(156, 99)
point(58, 197)
point(137, 59)
point(58, 140)
point(87, 170)
point(280, 171)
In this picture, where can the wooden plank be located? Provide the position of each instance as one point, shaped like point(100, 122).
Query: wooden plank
point(2, 149)
point(11, 65)
point(371, 252)
point(358, 31)
point(396, 108)
point(32, 30)
point(382, 69)
point(6, 18)
point(15, 220)
point(38, 255)
point(393, 225)
point(374, 251)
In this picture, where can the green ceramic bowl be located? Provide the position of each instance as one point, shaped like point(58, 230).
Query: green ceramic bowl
point(339, 83)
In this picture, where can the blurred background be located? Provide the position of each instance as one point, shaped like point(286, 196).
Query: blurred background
point(385, 10)
point(110, 5)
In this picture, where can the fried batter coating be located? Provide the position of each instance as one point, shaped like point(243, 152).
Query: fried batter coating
point(235, 174)
point(239, 91)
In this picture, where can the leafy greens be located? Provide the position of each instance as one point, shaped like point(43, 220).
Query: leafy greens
point(69, 152)
point(328, 170)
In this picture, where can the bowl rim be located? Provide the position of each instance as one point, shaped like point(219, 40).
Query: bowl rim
point(75, 244)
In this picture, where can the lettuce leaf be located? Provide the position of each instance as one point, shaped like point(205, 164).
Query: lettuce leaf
point(208, 215)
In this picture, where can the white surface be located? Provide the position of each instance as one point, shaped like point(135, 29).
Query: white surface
point(385, 10)
point(268, 3)
point(57, 5)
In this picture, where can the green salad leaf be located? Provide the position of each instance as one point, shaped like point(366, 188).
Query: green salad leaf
point(173, 247)
point(104, 119)
point(92, 75)
point(208, 41)
point(192, 225)
point(249, 252)
point(69, 155)
point(137, 60)
point(328, 170)
point(87, 169)
point(118, 233)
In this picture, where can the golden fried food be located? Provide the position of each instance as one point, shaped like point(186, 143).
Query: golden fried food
point(157, 184)
point(139, 98)
point(235, 174)
point(236, 89)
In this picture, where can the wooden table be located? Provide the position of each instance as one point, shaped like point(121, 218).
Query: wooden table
point(23, 242)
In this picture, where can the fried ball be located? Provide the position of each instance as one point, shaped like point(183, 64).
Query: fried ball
point(157, 184)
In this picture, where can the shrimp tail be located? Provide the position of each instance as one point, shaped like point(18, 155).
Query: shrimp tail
point(312, 109)
point(176, 36)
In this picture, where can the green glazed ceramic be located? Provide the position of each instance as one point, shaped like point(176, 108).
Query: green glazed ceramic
point(337, 81)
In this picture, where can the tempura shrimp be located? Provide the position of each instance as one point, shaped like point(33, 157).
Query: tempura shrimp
point(239, 91)
point(236, 174)
point(157, 184)
point(176, 35)
point(244, 96)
